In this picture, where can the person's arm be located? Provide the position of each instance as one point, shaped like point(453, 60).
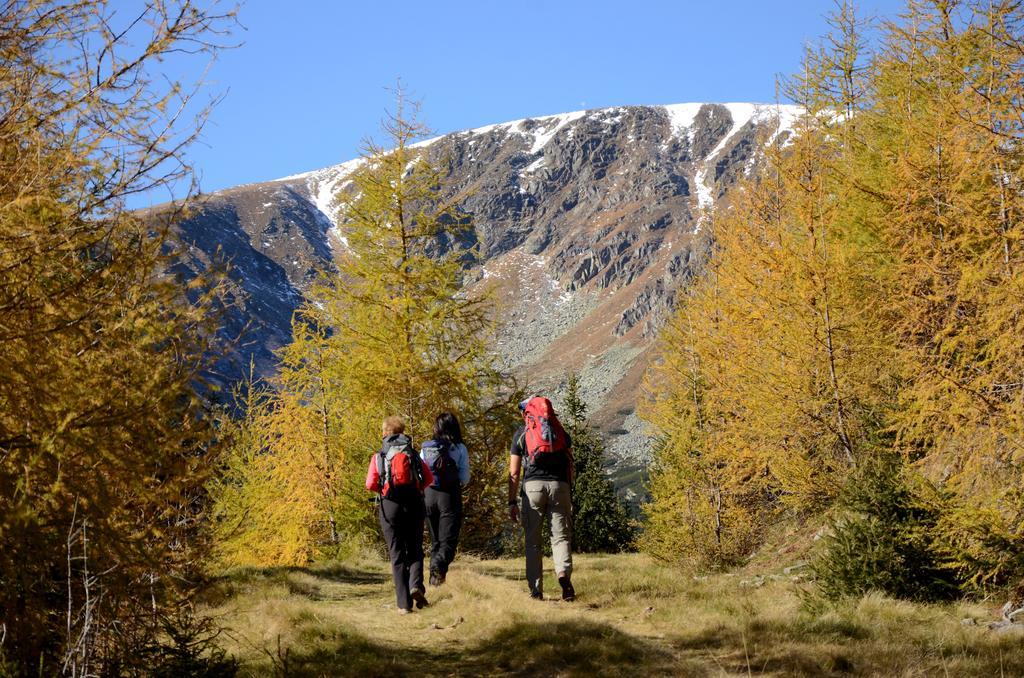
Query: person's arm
point(373, 476)
point(462, 461)
point(515, 467)
point(572, 459)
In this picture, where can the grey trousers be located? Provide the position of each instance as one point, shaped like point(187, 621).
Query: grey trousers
point(541, 498)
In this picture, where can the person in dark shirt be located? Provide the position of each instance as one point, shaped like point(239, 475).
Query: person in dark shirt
point(545, 492)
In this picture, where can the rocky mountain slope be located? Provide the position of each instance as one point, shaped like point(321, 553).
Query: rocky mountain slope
point(587, 224)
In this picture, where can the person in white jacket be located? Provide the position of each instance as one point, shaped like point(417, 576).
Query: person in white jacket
point(448, 459)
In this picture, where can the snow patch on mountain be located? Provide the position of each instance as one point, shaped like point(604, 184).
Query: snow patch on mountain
point(787, 117)
point(551, 126)
point(534, 166)
point(681, 118)
point(545, 129)
point(611, 116)
point(425, 142)
point(741, 114)
point(323, 187)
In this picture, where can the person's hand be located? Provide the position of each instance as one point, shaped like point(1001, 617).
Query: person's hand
point(513, 513)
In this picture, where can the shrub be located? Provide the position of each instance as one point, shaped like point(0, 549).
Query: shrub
point(884, 538)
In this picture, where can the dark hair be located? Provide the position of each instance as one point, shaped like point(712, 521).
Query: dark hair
point(446, 427)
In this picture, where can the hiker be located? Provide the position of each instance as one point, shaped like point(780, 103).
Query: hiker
point(399, 475)
point(448, 459)
point(542, 451)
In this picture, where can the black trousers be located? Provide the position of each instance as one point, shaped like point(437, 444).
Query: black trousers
point(444, 520)
point(402, 524)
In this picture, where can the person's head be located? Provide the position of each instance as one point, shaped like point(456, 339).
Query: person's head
point(393, 425)
point(446, 427)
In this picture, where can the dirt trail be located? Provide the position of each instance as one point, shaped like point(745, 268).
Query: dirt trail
point(631, 617)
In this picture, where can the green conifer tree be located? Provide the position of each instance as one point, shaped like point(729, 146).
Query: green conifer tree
point(601, 521)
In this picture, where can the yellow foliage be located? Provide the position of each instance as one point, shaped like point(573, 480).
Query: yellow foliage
point(947, 118)
point(105, 436)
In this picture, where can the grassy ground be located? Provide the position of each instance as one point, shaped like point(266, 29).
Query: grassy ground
point(631, 617)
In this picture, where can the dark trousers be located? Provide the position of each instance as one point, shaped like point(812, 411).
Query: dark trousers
point(402, 524)
point(444, 520)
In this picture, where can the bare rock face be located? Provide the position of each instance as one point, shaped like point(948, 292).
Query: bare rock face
point(587, 224)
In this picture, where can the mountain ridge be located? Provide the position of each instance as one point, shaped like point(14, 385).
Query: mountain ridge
point(587, 224)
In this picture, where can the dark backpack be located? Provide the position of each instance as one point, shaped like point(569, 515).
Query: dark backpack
point(399, 466)
point(544, 438)
point(444, 468)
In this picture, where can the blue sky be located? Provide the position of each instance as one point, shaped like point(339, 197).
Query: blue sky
point(310, 80)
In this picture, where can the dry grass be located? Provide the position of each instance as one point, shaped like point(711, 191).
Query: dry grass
point(632, 616)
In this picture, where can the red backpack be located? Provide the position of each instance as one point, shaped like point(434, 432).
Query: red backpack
point(399, 466)
point(544, 435)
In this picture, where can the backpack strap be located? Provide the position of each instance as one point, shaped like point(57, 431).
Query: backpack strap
point(383, 470)
point(417, 466)
point(527, 457)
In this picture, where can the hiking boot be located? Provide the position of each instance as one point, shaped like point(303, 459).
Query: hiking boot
point(536, 595)
point(568, 592)
point(404, 610)
point(435, 578)
point(420, 598)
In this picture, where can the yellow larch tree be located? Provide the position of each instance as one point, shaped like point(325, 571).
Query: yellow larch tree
point(945, 137)
point(780, 342)
point(392, 331)
point(106, 436)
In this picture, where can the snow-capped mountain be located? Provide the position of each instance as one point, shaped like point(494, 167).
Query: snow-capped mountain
point(588, 222)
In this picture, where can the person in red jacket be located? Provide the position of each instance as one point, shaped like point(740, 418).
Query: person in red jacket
point(399, 475)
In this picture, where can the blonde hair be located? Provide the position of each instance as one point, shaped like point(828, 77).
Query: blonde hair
point(394, 425)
